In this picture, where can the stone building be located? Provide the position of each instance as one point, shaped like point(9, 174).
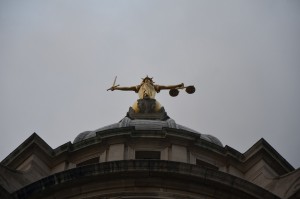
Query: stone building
point(146, 156)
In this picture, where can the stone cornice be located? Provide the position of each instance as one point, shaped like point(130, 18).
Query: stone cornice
point(264, 148)
point(36, 145)
point(217, 184)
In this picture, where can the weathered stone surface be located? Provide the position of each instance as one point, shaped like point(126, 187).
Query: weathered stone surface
point(146, 105)
point(286, 186)
point(161, 115)
point(260, 165)
point(123, 178)
point(4, 194)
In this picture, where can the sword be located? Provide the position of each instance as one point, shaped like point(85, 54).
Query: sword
point(114, 84)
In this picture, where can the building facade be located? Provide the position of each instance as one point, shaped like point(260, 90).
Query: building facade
point(146, 156)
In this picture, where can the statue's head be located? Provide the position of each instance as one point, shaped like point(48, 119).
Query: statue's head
point(147, 80)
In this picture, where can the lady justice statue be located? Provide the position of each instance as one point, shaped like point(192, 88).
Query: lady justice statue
point(146, 91)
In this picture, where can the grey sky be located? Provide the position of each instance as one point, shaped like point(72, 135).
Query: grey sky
point(57, 58)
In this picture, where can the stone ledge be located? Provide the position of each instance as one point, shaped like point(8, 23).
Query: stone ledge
point(171, 175)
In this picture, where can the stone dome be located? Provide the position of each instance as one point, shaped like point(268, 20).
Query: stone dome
point(145, 124)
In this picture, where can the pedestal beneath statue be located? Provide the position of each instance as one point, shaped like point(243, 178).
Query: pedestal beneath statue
point(147, 110)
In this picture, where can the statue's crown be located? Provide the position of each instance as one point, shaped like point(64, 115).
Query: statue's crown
point(148, 78)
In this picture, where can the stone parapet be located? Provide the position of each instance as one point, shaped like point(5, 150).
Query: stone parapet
point(164, 179)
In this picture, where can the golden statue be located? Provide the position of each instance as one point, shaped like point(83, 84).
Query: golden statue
point(147, 90)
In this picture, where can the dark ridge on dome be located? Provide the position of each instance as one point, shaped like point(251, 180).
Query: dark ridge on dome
point(145, 124)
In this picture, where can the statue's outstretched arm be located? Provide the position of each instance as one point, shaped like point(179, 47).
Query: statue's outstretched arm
point(161, 87)
point(131, 88)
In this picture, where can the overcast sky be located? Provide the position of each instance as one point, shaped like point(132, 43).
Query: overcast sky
point(57, 58)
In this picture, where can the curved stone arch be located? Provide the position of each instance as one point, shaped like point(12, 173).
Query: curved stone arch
point(142, 178)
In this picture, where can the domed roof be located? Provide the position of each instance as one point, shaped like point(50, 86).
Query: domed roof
point(145, 124)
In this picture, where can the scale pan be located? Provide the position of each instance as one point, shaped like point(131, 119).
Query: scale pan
point(173, 92)
point(190, 89)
